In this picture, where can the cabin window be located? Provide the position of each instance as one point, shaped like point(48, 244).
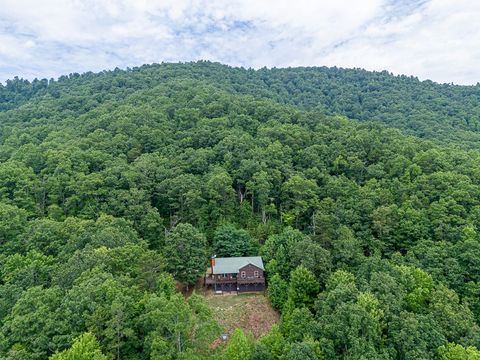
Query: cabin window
point(255, 273)
point(243, 274)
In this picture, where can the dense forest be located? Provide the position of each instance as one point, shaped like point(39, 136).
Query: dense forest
point(114, 187)
point(441, 112)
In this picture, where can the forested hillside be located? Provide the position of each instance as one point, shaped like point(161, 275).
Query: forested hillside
point(113, 186)
point(442, 112)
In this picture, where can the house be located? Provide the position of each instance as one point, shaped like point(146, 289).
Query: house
point(240, 274)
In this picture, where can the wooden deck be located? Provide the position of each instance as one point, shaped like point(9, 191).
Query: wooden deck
point(249, 280)
point(210, 281)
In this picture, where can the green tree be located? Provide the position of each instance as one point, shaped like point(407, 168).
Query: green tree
point(277, 291)
point(346, 251)
point(260, 352)
point(260, 187)
point(274, 341)
point(220, 194)
point(85, 347)
point(36, 323)
point(453, 351)
point(28, 270)
point(239, 347)
point(185, 253)
point(298, 324)
point(280, 247)
point(205, 329)
point(167, 323)
point(309, 350)
point(230, 241)
point(300, 199)
point(418, 284)
point(303, 287)
point(314, 257)
point(12, 223)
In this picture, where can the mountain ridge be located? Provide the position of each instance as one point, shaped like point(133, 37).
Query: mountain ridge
point(440, 112)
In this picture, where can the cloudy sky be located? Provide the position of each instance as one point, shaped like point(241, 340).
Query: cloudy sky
point(431, 39)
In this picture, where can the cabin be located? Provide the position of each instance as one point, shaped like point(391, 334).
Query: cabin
point(236, 274)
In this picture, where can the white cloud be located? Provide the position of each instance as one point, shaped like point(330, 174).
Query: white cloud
point(439, 41)
point(436, 39)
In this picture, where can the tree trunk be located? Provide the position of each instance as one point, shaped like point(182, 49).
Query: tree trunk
point(313, 224)
point(179, 344)
point(241, 195)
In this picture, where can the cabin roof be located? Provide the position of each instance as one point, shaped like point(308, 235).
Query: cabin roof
point(231, 265)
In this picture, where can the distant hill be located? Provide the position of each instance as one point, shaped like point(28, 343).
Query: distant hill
point(441, 112)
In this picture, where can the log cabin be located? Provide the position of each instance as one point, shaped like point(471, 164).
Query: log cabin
point(240, 274)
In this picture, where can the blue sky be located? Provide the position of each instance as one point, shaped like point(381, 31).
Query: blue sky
point(431, 39)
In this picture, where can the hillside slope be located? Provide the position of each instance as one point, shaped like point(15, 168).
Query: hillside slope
point(441, 112)
point(114, 185)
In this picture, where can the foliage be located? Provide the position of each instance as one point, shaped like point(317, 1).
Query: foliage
point(230, 241)
point(85, 347)
point(185, 251)
point(303, 287)
point(239, 347)
point(453, 351)
point(359, 189)
point(277, 291)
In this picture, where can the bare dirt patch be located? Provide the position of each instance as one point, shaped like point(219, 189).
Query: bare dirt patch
point(250, 312)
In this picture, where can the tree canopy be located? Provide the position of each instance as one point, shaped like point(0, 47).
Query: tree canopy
point(360, 190)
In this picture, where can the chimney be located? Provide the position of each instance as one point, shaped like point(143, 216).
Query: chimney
point(212, 261)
